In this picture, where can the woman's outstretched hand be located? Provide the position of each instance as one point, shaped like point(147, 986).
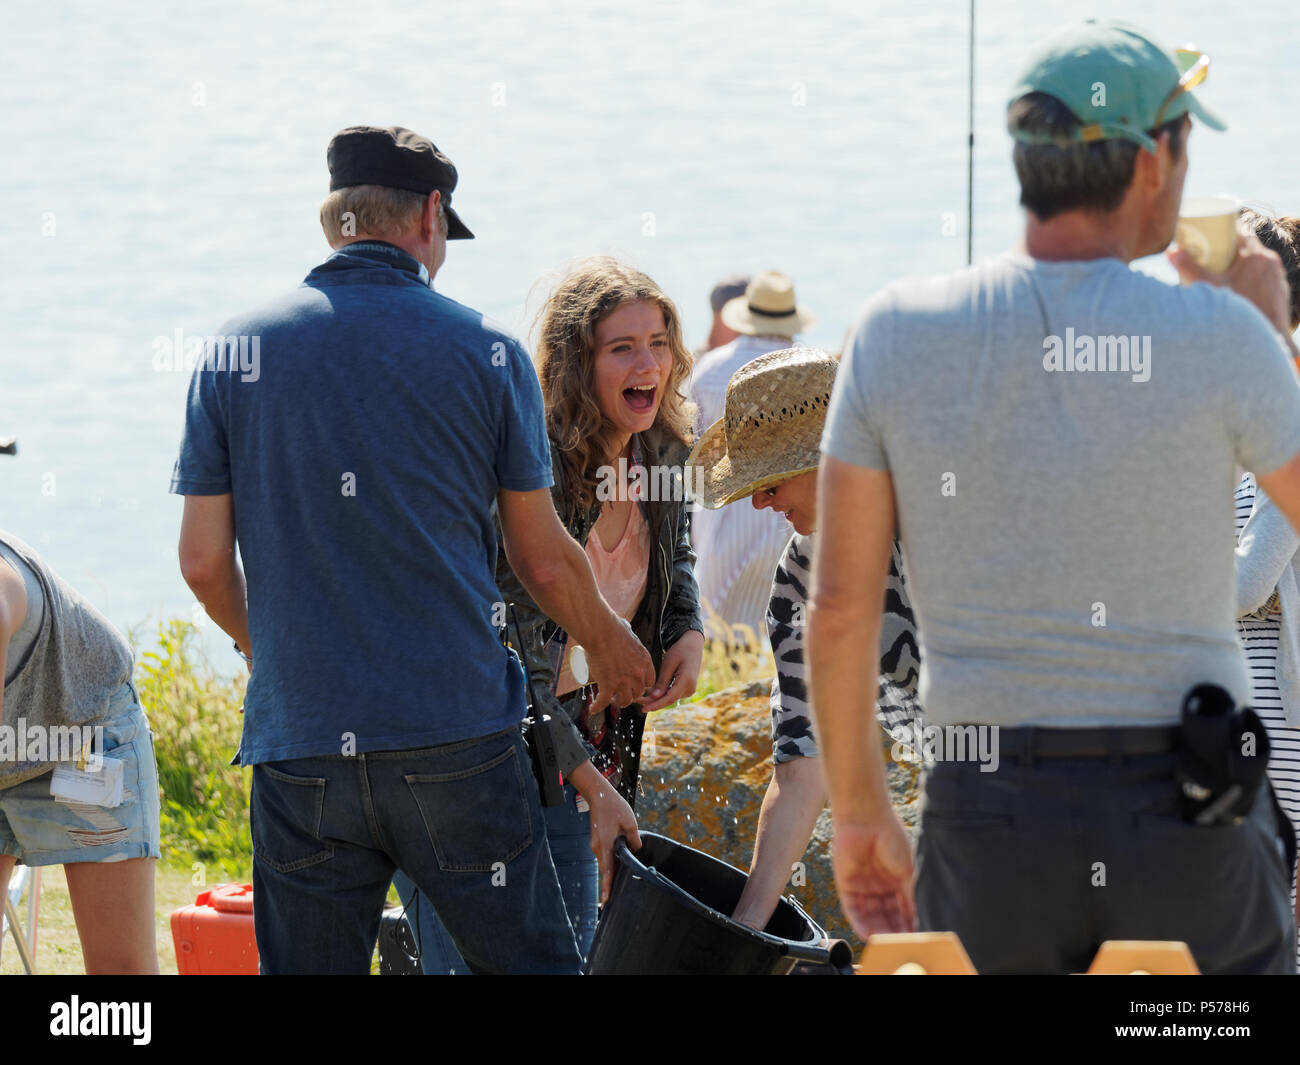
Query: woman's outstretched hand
point(679, 672)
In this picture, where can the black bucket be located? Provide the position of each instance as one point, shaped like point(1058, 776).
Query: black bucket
point(668, 914)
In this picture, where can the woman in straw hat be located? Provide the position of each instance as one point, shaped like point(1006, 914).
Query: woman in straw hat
point(765, 448)
point(613, 367)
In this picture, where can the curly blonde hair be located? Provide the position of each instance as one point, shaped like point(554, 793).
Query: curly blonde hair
point(590, 291)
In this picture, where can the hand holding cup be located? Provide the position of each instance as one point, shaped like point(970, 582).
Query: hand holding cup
point(1255, 273)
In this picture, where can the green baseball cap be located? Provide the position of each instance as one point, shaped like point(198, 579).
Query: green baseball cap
point(1116, 81)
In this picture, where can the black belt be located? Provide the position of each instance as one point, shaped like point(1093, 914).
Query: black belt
point(1030, 743)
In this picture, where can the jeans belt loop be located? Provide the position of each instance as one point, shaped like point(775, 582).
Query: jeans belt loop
point(1028, 760)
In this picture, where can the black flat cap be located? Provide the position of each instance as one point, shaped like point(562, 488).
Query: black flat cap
point(398, 159)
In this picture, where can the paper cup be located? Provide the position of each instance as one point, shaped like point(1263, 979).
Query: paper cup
point(1207, 229)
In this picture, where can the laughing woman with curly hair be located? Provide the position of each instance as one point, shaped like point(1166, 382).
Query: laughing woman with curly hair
point(613, 369)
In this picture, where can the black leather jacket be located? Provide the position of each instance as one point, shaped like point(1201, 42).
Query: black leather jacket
point(668, 610)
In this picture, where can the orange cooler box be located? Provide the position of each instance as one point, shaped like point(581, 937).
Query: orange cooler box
point(214, 937)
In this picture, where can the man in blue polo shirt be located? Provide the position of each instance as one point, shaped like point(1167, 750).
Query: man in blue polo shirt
point(356, 466)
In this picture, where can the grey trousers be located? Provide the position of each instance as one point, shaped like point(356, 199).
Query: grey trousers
point(1035, 866)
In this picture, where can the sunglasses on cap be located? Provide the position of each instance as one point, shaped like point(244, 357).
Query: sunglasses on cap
point(1195, 68)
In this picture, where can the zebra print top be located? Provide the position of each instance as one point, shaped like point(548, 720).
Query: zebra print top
point(900, 657)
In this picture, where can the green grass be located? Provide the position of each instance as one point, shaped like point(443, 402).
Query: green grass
point(58, 950)
point(195, 718)
point(724, 667)
point(196, 721)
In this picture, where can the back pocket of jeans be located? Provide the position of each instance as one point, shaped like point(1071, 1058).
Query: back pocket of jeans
point(286, 819)
point(477, 817)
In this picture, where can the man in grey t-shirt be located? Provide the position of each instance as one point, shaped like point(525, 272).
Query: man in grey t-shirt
point(1056, 436)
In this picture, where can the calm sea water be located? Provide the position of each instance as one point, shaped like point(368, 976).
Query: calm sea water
point(163, 165)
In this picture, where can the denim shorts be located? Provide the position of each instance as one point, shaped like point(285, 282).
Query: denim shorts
point(39, 829)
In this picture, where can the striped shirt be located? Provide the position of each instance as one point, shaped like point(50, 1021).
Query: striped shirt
point(900, 656)
point(1259, 640)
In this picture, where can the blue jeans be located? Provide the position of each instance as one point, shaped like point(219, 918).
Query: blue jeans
point(569, 834)
point(462, 819)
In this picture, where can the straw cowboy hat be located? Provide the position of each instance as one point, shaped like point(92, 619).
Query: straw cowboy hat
point(767, 307)
point(771, 429)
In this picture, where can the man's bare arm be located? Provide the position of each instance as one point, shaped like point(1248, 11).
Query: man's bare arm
point(855, 533)
point(555, 572)
point(870, 848)
point(209, 566)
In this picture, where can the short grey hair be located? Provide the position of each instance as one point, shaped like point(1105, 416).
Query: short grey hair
point(373, 210)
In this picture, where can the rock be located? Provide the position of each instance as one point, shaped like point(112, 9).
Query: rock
point(704, 770)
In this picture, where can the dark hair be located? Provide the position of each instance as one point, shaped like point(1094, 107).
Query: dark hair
point(1281, 235)
point(1074, 176)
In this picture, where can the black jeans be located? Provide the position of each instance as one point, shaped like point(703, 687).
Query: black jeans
point(1034, 867)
